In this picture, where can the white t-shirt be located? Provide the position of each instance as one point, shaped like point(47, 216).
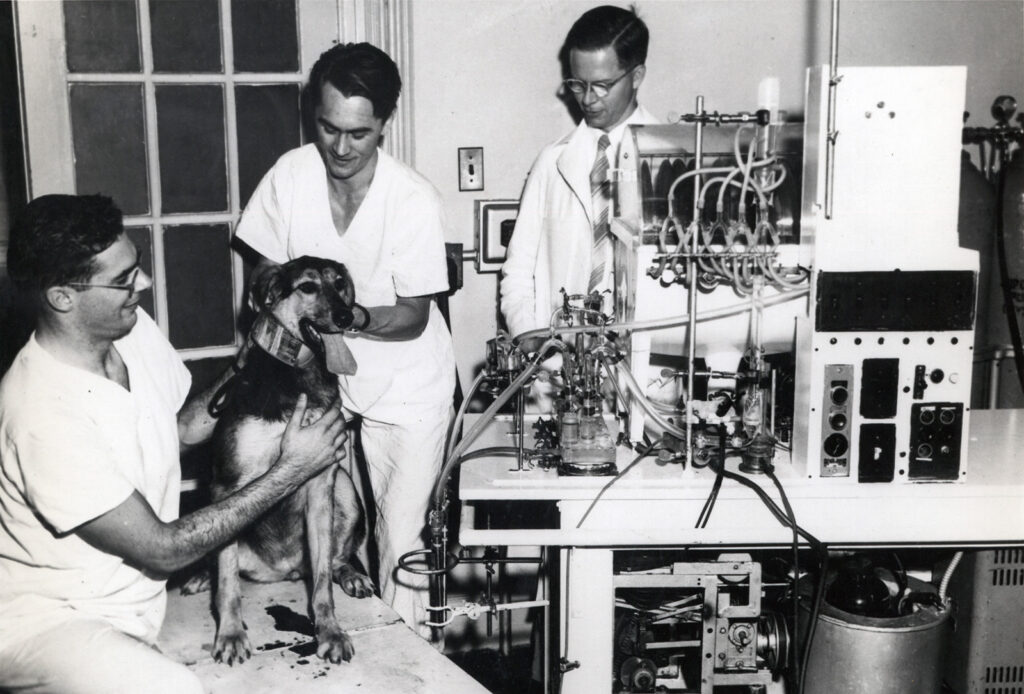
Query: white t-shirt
point(394, 246)
point(74, 445)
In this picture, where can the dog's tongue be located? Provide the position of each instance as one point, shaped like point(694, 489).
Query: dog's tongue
point(339, 358)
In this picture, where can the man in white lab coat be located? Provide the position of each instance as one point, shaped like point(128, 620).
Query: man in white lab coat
point(561, 233)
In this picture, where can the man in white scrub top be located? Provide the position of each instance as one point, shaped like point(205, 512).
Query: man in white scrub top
point(92, 418)
point(344, 199)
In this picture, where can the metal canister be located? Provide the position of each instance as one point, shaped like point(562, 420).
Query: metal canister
point(852, 654)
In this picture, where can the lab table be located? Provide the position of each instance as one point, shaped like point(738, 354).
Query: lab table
point(389, 656)
point(654, 505)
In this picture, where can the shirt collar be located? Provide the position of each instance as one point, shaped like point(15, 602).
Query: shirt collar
point(616, 133)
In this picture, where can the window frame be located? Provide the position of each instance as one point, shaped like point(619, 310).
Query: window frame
point(45, 83)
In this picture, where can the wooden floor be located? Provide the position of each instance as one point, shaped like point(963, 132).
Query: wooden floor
point(390, 657)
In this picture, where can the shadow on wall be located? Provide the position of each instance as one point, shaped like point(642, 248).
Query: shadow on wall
point(16, 323)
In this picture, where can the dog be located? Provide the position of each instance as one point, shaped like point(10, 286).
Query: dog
point(295, 346)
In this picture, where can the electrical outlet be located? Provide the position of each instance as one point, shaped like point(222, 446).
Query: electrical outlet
point(495, 220)
point(471, 168)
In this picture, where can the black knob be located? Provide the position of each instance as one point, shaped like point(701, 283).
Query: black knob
point(839, 395)
point(836, 445)
point(837, 421)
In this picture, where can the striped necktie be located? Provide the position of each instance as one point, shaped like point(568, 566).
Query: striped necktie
point(599, 193)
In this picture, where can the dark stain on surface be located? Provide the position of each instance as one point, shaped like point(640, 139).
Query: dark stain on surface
point(304, 649)
point(287, 619)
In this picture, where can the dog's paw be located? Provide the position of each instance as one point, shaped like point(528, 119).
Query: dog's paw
point(197, 583)
point(231, 647)
point(334, 645)
point(353, 582)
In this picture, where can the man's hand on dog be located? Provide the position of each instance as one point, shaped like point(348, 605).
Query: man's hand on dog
point(309, 448)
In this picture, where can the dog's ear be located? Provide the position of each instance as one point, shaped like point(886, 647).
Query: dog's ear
point(268, 286)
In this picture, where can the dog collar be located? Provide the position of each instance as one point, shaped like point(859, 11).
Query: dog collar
point(270, 335)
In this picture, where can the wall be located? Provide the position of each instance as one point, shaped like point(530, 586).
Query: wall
point(486, 73)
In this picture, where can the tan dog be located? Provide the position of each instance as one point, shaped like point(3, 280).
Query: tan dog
point(295, 347)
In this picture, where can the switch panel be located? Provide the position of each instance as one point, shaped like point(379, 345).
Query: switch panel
point(471, 168)
point(837, 411)
point(936, 431)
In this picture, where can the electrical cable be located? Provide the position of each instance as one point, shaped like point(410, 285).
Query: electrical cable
point(820, 548)
point(796, 557)
point(812, 623)
point(643, 454)
point(709, 505)
point(499, 451)
point(948, 575)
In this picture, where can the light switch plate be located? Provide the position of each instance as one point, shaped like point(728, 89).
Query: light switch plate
point(471, 168)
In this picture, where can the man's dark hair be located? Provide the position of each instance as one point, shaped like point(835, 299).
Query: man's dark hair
point(56, 238)
point(610, 26)
point(358, 69)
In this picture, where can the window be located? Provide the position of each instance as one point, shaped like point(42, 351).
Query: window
point(176, 109)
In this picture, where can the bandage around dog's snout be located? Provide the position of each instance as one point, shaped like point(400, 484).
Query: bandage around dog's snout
point(337, 354)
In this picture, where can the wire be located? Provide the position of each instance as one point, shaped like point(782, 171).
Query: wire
point(796, 557)
point(812, 623)
point(501, 451)
point(709, 505)
point(643, 454)
point(820, 548)
point(944, 584)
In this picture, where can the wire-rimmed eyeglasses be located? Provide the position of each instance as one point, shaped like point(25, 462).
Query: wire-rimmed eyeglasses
point(128, 285)
point(600, 89)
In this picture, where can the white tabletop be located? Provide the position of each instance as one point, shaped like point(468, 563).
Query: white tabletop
point(654, 504)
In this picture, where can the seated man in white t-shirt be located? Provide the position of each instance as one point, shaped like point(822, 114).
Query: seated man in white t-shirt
point(91, 424)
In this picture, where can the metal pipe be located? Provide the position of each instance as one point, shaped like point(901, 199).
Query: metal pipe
point(691, 276)
point(993, 380)
point(831, 134)
point(521, 426)
point(506, 560)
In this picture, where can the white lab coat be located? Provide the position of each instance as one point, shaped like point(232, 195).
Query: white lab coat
point(553, 238)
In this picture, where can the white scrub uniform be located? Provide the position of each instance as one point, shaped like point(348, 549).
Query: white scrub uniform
point(73, 446)
point(393, 247)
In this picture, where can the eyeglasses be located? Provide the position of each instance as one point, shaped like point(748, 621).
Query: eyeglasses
point(128, 286)
point(600, 89)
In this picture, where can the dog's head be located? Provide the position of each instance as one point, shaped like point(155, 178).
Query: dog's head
point(312, 298)
point(315, 289)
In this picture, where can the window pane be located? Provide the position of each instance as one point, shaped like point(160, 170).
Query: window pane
point(197, 259)
point(268, 126)
point(108, 131)
point(265, 36)
point(142, 237)
point(186, 35)
point(193, 170)
point(102, 35)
